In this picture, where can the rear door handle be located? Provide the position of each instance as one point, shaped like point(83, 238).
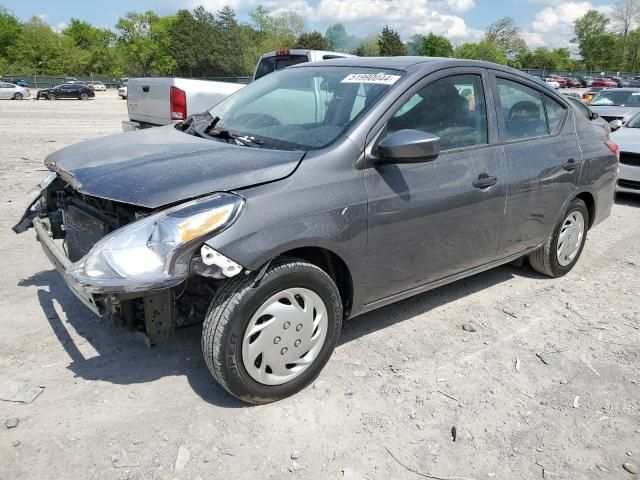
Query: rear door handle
point(570, 165)
point(484, 181)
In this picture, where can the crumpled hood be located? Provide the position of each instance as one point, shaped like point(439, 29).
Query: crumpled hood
point(160, 166)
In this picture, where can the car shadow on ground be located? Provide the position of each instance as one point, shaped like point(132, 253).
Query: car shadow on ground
point(628, 199)
point(123, 359)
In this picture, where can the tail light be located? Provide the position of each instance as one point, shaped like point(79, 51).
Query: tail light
point(613, 147)
point(178, 101)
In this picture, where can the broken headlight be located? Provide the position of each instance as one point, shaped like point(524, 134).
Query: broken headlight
point(155, 251)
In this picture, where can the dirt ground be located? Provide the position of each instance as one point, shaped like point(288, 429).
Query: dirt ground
point(547, 387)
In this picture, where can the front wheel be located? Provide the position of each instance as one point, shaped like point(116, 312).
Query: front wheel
point(561, 251)
point(267, 340)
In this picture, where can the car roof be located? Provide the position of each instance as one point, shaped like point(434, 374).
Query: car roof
point(411, 64)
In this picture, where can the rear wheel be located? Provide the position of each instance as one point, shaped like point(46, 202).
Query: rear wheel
point(84, 96)
point(266, 340)
point(561, 251)
point(17, 96)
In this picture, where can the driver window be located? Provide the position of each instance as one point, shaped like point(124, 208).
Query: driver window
point(452, 108)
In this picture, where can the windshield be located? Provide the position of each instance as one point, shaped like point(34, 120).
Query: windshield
point(302, 108)
point(634, 122)
point(617, 98)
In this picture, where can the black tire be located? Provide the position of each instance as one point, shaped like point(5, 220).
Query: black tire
point(17, 96)
point(231, 310)
point(84, 96)
point(544, 260)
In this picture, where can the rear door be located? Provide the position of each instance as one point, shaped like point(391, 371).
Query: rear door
point(431, 220)
point(543, 160)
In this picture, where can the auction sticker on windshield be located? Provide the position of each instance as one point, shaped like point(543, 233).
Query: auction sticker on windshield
point(379, 78)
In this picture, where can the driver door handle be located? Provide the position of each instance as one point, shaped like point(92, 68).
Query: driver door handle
point(484, 181)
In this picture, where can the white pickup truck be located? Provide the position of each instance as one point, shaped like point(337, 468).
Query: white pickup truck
point(153, 102)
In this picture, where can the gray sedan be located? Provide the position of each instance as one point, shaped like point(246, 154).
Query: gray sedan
point(316, 194)
point(616, 103)
point(628, 139)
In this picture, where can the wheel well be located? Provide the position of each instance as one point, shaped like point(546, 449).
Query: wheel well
point(334, 266)
point(589, 201)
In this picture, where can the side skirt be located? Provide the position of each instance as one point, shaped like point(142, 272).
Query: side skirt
point(438, 283)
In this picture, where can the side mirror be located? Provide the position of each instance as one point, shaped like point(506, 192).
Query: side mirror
point(408, 146)
point(593, 115)
point(615, 124)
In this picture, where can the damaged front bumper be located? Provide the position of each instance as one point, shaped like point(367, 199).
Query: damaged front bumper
point(58, 258)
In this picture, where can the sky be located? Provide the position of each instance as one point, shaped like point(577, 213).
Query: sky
point(543, 22)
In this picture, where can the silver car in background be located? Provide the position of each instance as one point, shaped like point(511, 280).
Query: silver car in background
point(11, 91)
point(627, 138)
point(616, 103)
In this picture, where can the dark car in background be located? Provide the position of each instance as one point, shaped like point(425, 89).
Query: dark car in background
point(585, 81)
point(274, 217)
point(573, 82)
point(67, 90)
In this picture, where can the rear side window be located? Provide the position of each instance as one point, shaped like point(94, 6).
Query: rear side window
point(527, 112)
point(278, 62)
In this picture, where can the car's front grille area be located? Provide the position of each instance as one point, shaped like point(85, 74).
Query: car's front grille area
point(629, 184)
point(84, 226)
point(632, 159)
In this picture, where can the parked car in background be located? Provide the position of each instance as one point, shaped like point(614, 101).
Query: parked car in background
point(159, 101)
point(573, 83)
point(616, 103)
point(316, 194)
point(123, 90)
point(552, 82)
point(627, 137)
point(585, 81)
point(589, 94)
point(634, 81)
point(99, 87)
point(66, 90)
point(562, 81)
point(20, 82)
point(620, 82)
point(604, 82)
point(11, 91)
point(592, 116)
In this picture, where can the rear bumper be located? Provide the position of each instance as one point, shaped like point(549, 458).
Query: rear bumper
point(130, 125)
point(60, 261)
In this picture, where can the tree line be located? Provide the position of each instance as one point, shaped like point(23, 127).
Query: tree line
point(200, 43)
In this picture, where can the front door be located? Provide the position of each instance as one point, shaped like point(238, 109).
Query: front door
point(431, 220)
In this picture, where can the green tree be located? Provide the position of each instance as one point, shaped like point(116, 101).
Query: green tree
point(436, 46)
point(145, 41)
point(390, 44)
point(313, 41)
point(367, 47)
point(274, 32)
point(36, 49)
point(414, 44)
point(10, 28)
point(483, 50)
point(593, 40)
point(338, 38)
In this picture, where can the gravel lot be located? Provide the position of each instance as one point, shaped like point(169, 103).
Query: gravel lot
point(548, 386)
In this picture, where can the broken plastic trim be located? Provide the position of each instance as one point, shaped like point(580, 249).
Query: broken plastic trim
point(212, 257)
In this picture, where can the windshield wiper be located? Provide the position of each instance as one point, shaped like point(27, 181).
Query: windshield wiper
point(246, 140)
